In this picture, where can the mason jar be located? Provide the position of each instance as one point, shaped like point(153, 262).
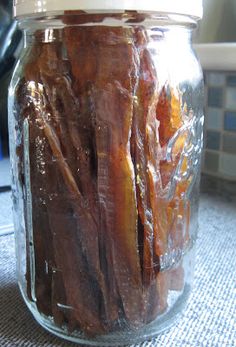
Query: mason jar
point(105, 119)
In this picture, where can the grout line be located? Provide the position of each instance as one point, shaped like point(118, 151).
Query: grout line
point(230, 109)
point(229, 132)
point(212, 150)
point(219, 175)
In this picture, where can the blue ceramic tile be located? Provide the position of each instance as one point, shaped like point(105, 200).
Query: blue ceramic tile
point(215, 97)
point(230, 121)
point(216, 79)
point(228, 165)
point(211, 162)
point(231, 80)
point(230, 101)
point(213, 140)
point(214, 118)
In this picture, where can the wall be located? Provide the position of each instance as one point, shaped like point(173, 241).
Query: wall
point(218, 23)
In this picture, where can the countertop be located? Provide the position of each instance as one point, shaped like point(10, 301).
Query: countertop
point(210, 317)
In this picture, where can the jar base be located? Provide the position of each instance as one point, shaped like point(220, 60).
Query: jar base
point(149, 331)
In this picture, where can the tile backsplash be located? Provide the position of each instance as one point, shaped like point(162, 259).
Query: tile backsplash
point(220, 124)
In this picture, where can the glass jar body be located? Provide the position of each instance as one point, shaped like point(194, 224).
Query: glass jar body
point(106, 117)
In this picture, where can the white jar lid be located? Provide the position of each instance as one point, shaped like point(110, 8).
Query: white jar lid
point(185, 7)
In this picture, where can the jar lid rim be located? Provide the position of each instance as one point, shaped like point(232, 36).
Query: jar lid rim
point(185, 7)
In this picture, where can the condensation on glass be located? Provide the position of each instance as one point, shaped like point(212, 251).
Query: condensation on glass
point(106, 135)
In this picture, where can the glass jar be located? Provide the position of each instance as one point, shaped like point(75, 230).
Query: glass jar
point(106, 136)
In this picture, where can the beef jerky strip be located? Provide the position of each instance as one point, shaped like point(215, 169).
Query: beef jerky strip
point(82, 48)
point(88, 235)
point(51, 136)
point(77, 134)
point(83, 296)
point(43, 249)
point(41, 235)
point(145, 101)
point(144, 96)
point(158, 205)
point(81, 129)
point(113, 92)
point(179, 211)
point(40, 190)
point(170, 116)
point(20, 181)
point(54, 193)
point(70, 262)
point(148, 87)
point(179, 204)
point(112, 103)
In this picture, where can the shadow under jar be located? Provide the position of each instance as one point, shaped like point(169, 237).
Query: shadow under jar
point(106, 127)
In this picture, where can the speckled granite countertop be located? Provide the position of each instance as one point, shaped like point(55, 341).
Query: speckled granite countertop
point(209, 319)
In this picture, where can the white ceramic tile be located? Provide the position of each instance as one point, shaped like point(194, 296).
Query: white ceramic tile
point(228, 165)
point(230, 102)
point(211, 160)
point(229, 143)
point(216, 79)
point(214, 118)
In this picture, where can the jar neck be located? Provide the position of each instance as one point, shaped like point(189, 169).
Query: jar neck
point(171, 28)
point(115, 18)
